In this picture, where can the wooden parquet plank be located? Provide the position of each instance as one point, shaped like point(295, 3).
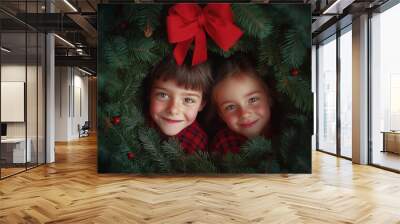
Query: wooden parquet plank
point(71, 191)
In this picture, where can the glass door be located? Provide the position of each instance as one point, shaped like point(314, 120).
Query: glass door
point(13, 107)
point(326, 59)
point(22, 77)
point(346, 72)
point(385, 89)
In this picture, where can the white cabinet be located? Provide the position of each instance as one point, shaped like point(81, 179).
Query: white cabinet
point(12, 101)
point(18, 149)
point(391, 142)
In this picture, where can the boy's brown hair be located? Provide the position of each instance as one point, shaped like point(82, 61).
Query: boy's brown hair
point(190, 77)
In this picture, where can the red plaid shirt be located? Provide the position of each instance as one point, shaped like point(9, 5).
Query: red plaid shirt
point(227, 141)
point(193, 138)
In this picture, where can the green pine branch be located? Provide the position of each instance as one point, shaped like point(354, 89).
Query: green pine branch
point(233, 163)
point(174, 153)
point(253, 20)
point(298, 91)
point(200, 162)
point(140, 51)
point(142, 15)
point(256, 148)
point(132, 117)
point(298, 119)
point(293, 49)
point(151, 142)
point(287, 140)
point(115, 52)
point(269, 52)
point(244, 45)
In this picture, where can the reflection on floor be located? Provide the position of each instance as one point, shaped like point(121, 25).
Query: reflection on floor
point(386, 159)
point(71, 191)
point(346, 152)
point(8, 169)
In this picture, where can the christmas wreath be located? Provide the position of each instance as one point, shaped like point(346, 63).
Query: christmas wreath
point(135, 37)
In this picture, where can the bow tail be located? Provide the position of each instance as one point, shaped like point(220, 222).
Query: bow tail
point(200, 49)
point(180, 51)
point(224, 36)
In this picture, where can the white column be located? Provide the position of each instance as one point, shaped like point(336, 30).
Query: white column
point(314, 92)
point(50, 93)
point(360, 90)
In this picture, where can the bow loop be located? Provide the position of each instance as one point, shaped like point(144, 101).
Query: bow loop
point(188, 22)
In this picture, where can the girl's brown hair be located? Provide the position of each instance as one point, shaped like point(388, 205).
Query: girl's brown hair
point(238, 65)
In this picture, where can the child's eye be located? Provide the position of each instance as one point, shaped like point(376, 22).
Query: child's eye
point(230, 107)
point(253, 100)
point(162, 95)
point(189, 100)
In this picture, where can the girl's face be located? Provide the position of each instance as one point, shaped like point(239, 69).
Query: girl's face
point(243, 104)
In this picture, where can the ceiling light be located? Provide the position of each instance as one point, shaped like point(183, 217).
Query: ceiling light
point(5, 50)
point(337, 7)
point(70, 5)
point(84, 71)
point(64, 40)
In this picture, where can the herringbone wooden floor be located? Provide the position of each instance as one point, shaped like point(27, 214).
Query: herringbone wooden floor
point(71, 191)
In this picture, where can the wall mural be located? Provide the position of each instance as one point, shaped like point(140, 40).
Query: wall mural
point(204, 88)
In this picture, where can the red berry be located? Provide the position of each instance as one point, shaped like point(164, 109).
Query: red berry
point(124, 25)
point(294, 72)
point(130, 155)
point(116, 120)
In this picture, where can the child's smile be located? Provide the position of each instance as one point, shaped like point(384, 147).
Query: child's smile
point(243, 104)
point(173, 107)
point(171, 121)
point(248, 124)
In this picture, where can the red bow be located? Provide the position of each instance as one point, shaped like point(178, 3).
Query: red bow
point(186, 22)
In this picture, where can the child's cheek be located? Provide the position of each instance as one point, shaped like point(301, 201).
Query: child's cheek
point(156, 107)
point(230, 118)
point(261, 109)
point(191, 114)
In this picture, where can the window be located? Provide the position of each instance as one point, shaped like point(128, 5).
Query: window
point(385, 86)
point(22, 65)
point(327, 95)
point(346, 92)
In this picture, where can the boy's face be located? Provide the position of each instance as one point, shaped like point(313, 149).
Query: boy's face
point(243, 104)
point(173, 107)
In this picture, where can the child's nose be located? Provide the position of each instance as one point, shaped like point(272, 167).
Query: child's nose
point(173, 107)
point(244, 112)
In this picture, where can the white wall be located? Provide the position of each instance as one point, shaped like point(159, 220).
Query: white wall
point(62, 81)
point(71, 101)
point(16, 72)
point(33, 127)
point(81, 104)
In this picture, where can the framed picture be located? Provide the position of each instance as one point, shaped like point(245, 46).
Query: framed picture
point(204, 88)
